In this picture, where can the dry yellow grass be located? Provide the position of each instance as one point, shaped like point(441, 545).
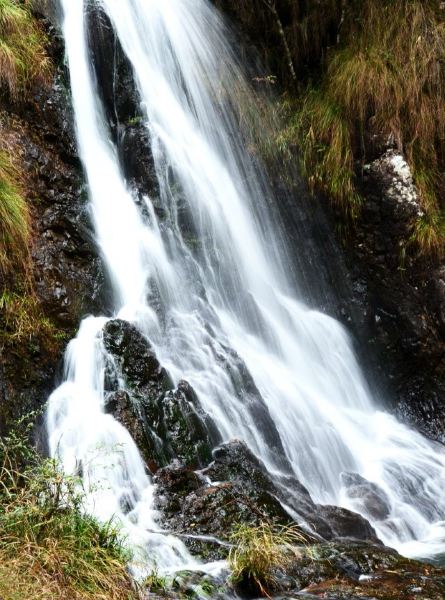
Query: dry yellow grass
point(23, 58)
point(258, 553)
point(14, 217)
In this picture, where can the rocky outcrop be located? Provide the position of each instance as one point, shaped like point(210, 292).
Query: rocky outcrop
point(329, 571)
point(205, 507)
point(168, 422)
point(401, 293)
point(358, 571)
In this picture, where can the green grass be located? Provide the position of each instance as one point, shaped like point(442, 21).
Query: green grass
point(259, 553)
point(22, 319)
point(14, 217)
point(386, 77)
point(49, 547)
point(23, 59)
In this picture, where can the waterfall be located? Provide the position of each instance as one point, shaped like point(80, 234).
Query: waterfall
point(226, 304)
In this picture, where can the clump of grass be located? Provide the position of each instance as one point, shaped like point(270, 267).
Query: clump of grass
point(49, 547)
point(327, 158)
point(22, 318)
point(23, 59)
point(260, 553)
point(386, 77)
point(14, 217)
point(156, 583)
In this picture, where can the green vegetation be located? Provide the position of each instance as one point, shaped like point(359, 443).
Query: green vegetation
point(14, 217)
point(22, 318)
point(23, 59)
point(49, 548)
point(23, 64)
point(156, 583)
point(385, 78)
point(260, 553)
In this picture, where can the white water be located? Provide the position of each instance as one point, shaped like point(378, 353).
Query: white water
point(229, 288)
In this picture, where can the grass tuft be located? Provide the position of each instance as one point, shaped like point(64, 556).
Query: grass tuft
point(49, 547)
point(260, 553)
point(14, 217)
point(23, 59)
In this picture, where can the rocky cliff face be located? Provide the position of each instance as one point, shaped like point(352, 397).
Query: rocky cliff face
point(403, 295)
point(66, 273)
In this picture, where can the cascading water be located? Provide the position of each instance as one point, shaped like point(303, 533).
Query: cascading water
point(226, 300)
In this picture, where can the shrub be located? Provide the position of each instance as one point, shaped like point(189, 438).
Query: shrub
point(386, 77)
point(49, 548)
point(259, 553)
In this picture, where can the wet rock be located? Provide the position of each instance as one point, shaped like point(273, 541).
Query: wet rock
point(172, 420)
point(236, 488)
point(402, 296)
point(121, 406)
point(135, 357)
point(251, 399)
point(67, 273)
point(113, 71)
point(345, 523)
point(50, 9)
point(136, 158)
point(367, 497)
point(190, 432)
point(356, 571)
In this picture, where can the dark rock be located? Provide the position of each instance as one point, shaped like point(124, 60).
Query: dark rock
point(67, 273)
point(136, 158)
point(50, 9)
point(403, 300)
point(135, 357)
point(113, 70)
point(367, 496)
point(236, 488)
point(250, 397)
point(173, 423)
point(345, 523)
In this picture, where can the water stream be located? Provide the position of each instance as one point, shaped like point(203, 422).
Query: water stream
point(227, 292)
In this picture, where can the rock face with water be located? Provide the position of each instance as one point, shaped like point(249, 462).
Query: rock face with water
point(403, 294)
point(67, 274)
point(236, 489)
point(167, 422)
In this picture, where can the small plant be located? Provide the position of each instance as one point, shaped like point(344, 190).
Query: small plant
point(156, 583)
point(260, 553)
point(49, 547)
